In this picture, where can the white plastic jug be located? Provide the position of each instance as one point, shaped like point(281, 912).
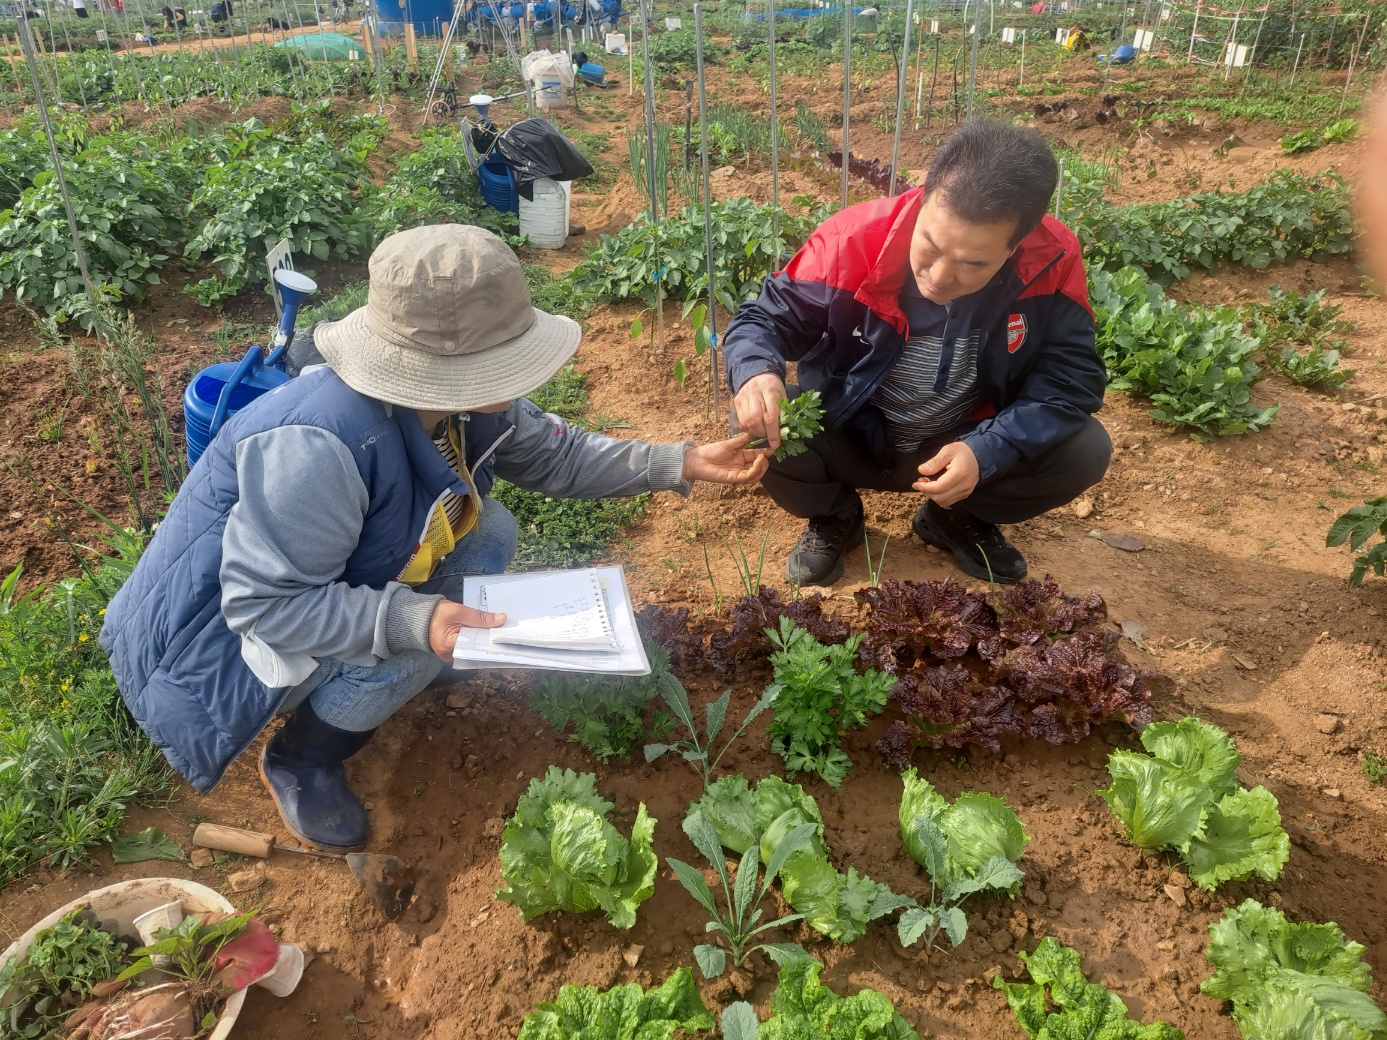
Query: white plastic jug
point(544, 219)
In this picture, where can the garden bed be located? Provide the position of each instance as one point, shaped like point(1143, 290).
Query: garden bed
point(1241, 603)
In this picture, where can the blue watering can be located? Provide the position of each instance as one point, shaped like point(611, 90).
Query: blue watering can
point(220, 391)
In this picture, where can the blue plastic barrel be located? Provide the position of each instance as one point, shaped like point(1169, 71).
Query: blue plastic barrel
point(498, 186)
point(429, 17)
point(237, 384)
point(592, 72)
point(1124, 54)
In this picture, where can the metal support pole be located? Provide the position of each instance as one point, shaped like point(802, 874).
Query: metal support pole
point(933, 82)
point(900, 98)
point(707, 210)
point(650, 164)
point(1231, 47)
point(1194, 29)
point(1296, 67)
point(973, 60)
point(1352, 64)
point(1059, 188)
point(919, 69)
point(1121, 35)
point(26, 43)
point(847, 92)
point(1256, 39)
point(76, 73)
point(1021, 82)
point(688, 130)
point(775, 145)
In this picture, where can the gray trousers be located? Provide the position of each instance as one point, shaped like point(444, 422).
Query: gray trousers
point(825, 479)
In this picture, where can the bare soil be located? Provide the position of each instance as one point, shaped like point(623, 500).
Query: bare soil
point(1244, 605)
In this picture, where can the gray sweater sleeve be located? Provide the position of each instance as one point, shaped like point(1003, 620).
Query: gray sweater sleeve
point(545, 454)
point(287, 539)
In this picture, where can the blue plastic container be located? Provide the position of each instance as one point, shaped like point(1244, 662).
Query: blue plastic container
point(220, 391)
point(592, 73)
point(430, 17)
point(498, 187)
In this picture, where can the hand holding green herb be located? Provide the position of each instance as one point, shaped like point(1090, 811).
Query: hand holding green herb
point(800, 419)
point(762, 408)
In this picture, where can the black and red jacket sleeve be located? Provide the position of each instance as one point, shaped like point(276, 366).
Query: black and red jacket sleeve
point(1048, 397)
point(797, 307)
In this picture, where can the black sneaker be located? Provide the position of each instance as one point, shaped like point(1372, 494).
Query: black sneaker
point(979, 548)
point(817, 558)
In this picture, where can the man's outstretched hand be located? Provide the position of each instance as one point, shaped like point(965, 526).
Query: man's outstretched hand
point(449, 617)
point(950, 476)
point(726, 462)
point(757, 407)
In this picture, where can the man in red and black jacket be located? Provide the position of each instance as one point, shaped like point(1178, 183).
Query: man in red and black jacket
point(949, 332)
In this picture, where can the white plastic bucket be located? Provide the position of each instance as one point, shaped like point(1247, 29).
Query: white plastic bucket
point(550, 93)
point(544, 219)
point(118, 905)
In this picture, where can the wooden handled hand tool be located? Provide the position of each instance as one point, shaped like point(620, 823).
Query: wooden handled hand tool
point(388, 882)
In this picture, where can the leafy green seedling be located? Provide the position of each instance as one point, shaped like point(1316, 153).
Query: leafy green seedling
point(191, 948)
point(740, 925)
point(1374, 767)
point(715, 713)
point(944, 913)
point(739, 1022)
point(874, 569)
point(800, 420)
point(971, 845)
point(1342, 130)
point(1073, 1006)
point(1356, 527)
point(751, 579)
point(64, 962)
point(607, 713)
point(1301, 141)
point(820, 696)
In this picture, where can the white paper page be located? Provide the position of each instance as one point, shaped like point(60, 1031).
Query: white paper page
point(476, 650)
point(563, 610)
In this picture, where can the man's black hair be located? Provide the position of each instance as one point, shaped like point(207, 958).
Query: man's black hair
point(987, 172)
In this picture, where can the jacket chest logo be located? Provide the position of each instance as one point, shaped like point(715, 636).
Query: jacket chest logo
point(1016, 332)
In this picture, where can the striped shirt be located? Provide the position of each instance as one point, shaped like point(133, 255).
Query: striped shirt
point(451, 503)
point(933, 387)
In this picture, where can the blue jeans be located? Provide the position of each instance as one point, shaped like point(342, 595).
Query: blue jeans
point(361, 697)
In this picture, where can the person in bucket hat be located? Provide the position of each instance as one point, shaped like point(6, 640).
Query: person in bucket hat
point(307, 565)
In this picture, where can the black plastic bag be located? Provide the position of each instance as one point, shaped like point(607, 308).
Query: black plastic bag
point(534, 149)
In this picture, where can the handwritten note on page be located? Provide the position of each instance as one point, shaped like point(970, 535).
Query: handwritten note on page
point(562, 611)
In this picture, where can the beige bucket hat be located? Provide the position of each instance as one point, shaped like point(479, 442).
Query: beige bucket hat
point(447, 325)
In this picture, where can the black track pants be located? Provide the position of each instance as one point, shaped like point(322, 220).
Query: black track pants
point(825, 479)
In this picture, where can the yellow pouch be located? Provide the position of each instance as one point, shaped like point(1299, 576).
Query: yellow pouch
point(441, 537)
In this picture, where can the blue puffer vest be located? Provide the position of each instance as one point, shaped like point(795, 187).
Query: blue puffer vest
point(176, 662)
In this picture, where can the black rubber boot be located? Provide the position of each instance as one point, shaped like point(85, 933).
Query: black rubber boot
point(302, 767)
point(979, 548)
point(817, 558)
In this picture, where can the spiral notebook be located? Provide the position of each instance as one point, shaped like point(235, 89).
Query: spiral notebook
point(563, 611)
point(576, 620)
